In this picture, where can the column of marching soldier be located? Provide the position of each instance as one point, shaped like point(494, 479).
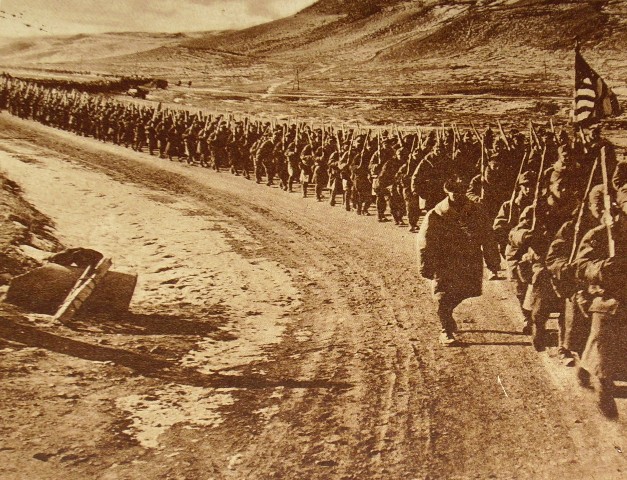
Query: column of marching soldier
point(556, 205)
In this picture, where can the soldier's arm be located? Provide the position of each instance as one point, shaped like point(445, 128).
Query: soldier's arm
point(558, 255)
point(521, 234)
point(501, 225)
point(427, 242)
point(592, 262)
point(474, 190)
point(489, 245)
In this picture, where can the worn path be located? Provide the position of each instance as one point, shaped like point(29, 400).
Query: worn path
point(353, 384)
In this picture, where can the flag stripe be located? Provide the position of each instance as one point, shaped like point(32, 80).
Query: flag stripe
point(593, 100)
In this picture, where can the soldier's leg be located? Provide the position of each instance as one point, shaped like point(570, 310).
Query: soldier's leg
point(367, 201)
point(318, 189)
point(415, 215)
point(270, 173)
point(446, 303)
point(541, 300)
point(602, 357)
point(397, 214)
point(381, 205)
point(332, 194)
point(217, 159)
point(246, 167)
point(520, 290)
point(348, 194)
point(577, 325)
point(257, 171)
point(357, 201)
point(284, 178)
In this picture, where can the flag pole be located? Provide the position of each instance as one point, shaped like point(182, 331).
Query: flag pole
point(608, 205)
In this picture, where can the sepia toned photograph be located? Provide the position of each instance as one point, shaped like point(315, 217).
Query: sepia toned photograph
point(300, 239)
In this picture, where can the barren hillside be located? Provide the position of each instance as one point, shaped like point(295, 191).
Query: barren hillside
point(377, 47)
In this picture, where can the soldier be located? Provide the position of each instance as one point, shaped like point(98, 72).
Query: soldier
point(536, 229)
point(507, 218)
point(346, 178)
point(429, 177)
point(452, 243)
point(292, 156)
point(412, 200)
point(397, 201)
point(335, 181)
point(490, 188)
point(202, 148)
point(190, 140)
point(162, 138)
point(218, 143)
point(151, 136)
point(383, 168)
point(320, 175)
point(280, 161)
point(559, 263)
point(362, 190)
point(306, 167)
point(139, 135)
point(236, 140)
point(268, 158)
point(173, 142)
point(602, 268)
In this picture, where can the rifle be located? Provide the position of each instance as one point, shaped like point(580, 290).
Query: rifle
point(583, 139)
point(582, 209)
point(419, 136)
point(283, 137)
point(398, 134)
point(363, 149)
point(537, 192)
point(482, 167)
point(503, 135)
point(337, 139)
point(413, 146)
point(513, 197)
point(534, 135)
point(474, 129)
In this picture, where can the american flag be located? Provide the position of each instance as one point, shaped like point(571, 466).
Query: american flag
point(594, 100)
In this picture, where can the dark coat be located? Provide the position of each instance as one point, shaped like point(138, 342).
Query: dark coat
point(606, 277)
point(451, 248)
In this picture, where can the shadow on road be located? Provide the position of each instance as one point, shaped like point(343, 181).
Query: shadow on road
point(147, 324)
point(147, 365)
point(503, 332)
point(620, 391)
point(464, 343)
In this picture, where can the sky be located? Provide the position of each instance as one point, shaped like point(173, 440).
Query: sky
point(57, 17)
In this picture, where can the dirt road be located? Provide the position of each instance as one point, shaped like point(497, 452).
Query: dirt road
point(310, 352)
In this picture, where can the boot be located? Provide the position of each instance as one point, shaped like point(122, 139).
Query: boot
point(527, 328)
point(538, 333)
point(605, 399)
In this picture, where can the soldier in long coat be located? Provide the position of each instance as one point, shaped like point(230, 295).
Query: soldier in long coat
point(604, 274)
point(452, 243)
